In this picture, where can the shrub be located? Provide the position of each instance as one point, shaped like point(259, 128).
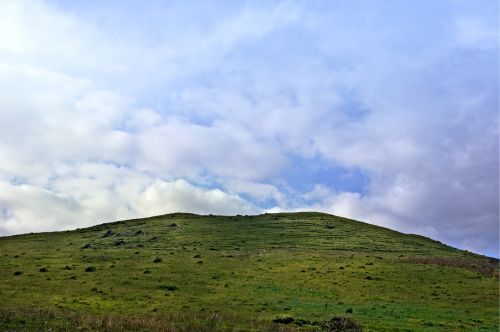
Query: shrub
point(342, 324)
point(18, 273)
point(90, 269)
point(157, 260)
point(283, 320)
point(44, 269)
point(169, 287)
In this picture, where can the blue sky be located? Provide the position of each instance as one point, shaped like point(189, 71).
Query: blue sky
point(383, 111)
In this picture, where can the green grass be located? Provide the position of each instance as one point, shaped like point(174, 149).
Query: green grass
point(240, 273)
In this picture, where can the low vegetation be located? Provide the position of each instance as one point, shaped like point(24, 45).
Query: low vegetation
point(273, 272)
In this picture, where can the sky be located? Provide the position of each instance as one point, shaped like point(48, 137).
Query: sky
point(383, 111)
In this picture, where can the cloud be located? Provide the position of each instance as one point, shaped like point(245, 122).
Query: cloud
point(110, 112)
point(87, 194)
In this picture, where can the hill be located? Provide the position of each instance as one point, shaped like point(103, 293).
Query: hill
point(272, 272)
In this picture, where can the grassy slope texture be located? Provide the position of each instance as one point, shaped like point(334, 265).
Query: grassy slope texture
point(273, 272)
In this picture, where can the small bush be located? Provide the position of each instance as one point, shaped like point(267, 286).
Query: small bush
point(157, 260)
point(67, 268)
point(44, 269)
point(283, 320)
point(342, 324)
point(90, 269)
point(18, 273)
point(169, 287)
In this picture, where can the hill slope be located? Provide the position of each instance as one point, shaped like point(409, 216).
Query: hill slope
point(190, 272)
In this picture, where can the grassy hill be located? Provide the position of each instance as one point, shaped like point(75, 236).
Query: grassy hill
point(272, 272)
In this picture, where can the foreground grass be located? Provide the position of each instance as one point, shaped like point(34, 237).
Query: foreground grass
point(184, 272)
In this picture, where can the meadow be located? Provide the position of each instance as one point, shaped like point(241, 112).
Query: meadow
point(271, 272)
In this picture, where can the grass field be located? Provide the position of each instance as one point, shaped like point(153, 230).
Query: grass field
point(273, 272)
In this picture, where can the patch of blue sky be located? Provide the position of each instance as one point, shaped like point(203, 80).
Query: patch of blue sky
point(304, 174)
point(352, 107)
point(262, 204)
point(18, 180)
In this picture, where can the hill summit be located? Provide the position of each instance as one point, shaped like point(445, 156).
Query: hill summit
point(273, 272)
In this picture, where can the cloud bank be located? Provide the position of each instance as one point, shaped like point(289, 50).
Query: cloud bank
point(385, 112)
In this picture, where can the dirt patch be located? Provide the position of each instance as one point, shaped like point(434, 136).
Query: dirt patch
point(487, 266)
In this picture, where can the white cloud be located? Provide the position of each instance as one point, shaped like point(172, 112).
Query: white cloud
point(181, 196)
point(87, 194)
